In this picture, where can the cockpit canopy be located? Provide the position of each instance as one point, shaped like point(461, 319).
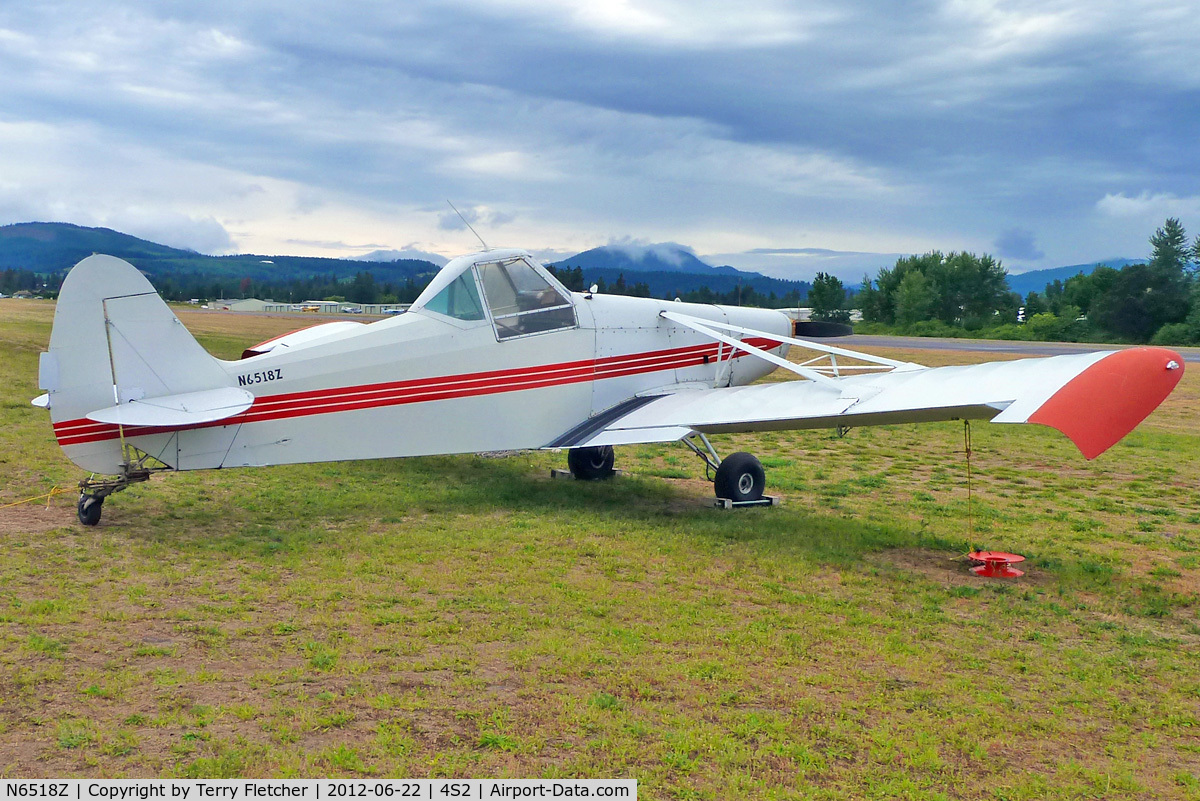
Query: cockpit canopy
point(509, 287)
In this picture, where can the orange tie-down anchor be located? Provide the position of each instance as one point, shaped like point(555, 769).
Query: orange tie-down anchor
point(996, 564)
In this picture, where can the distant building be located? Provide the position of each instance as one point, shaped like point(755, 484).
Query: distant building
point(383, 308)
point(254, 305)
point(322, 306)
point(242, 305)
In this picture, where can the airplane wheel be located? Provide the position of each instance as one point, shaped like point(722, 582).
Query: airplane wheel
point(740, 477)
point(89, 509)
point(591, 463)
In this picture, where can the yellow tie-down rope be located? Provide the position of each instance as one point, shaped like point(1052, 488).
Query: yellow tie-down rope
point(47, 496)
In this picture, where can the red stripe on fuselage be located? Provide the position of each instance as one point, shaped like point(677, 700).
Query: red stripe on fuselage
point(422, 390)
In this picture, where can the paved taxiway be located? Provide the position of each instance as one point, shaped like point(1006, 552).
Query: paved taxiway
point(855, 341)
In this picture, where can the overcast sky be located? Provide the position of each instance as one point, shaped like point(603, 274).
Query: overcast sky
point(762, 134)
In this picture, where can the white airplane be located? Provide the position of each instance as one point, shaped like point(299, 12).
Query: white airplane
point(497, 355)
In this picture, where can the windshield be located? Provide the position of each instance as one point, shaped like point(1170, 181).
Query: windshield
point(522, 301)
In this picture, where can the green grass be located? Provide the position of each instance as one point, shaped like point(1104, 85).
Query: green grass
point(469, 616)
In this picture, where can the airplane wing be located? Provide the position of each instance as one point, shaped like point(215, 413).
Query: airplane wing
point(1095, 399)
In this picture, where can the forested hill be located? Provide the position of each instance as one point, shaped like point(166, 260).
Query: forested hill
point(53, 248)
point(665, 257)
point(50, 249)
point(667, 270)
point(1036, 280)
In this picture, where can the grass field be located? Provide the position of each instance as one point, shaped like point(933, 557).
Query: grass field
point(470, 616)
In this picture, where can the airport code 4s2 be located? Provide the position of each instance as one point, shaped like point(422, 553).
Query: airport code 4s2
point(318, 789)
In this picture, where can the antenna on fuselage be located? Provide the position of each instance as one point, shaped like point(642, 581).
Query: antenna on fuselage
point(464, 219)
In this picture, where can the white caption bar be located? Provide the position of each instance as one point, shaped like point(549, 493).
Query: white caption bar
point(315, 789)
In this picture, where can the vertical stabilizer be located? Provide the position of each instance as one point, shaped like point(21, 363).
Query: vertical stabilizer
point(115, 342)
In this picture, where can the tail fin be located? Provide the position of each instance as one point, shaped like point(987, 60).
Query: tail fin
point(119, 357)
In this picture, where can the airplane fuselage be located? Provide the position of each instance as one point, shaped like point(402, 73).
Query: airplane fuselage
point(429, 383)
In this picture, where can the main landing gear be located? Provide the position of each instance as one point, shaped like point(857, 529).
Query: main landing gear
point(590, 464)
point(739, 477)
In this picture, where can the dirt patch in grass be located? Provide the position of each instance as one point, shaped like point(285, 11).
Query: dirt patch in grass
point(950, 569)
point(36, 518)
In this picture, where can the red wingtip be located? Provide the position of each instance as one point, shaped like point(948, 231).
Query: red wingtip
point(1107, 400)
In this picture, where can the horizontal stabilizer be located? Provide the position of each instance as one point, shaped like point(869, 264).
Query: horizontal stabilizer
point(173, 411)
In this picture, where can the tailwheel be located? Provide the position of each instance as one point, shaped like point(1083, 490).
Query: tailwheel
point(93, 490)
point(590, 464)
point(740, 477)
point(89, 508)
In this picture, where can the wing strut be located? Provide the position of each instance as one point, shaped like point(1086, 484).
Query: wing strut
point(803, 370)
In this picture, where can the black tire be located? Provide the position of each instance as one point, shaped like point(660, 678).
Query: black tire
point(590, 464)
point(89, 509)
point(740, 477)
point(821, 329)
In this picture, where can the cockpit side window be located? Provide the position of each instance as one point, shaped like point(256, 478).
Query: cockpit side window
point(460, 299)
point(522, 301)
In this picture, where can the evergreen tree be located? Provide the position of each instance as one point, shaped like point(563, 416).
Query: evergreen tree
point(871, 301)
point(1169, 248)
point(362, 289)
point(1142, 298)
point(827, 299)
point(1034, 304)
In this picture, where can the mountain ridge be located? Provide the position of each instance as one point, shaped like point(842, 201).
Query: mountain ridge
point(662, 257)
point(51, 248)
point(668, 268)
point(1036, 280)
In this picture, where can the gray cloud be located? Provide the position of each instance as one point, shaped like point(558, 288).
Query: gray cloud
point(204, 235)
point(334, 245)
point(1017, 243)
point(477, 216)
point(853, 126)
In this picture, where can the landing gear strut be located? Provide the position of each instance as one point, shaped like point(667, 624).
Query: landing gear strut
point(92, 491)
point(738, 477)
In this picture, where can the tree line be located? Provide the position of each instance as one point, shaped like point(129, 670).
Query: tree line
point(13, 280)
point(742, 295)
point(362, 288)
point(949, 294)
point(957, 294)
point(1158, 301)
